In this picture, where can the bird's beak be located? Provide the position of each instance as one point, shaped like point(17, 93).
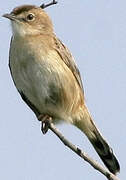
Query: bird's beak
point(10, 16)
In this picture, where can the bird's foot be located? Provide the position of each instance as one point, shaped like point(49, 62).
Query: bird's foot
point(45, 120)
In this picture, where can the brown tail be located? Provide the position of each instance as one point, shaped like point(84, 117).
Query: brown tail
point(101, 146)
point(105, 152)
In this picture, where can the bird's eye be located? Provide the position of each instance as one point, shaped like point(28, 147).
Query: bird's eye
point(30, 17)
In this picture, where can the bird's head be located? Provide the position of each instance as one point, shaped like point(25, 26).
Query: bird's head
point(29, 20)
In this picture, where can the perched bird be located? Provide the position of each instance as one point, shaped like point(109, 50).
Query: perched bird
point(47, 78)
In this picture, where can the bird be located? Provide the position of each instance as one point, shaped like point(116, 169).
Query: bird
point(48, 79)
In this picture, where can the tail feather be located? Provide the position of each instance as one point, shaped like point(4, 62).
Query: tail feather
point(105, 152)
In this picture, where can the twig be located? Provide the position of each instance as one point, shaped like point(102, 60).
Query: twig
point(43, 6)
point(78, 151)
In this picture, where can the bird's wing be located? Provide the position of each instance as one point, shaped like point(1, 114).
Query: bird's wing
point(68, 59)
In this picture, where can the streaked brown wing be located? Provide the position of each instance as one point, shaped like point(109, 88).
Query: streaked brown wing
point(68, 60)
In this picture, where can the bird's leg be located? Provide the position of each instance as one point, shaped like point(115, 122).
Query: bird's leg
point(45, 120)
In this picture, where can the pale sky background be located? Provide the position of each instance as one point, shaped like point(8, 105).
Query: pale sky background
point(95, 32)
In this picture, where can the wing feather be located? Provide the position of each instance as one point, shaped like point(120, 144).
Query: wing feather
point(68, 59)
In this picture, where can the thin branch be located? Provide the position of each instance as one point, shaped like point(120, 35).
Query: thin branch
point(49, 125)
point(43, 6)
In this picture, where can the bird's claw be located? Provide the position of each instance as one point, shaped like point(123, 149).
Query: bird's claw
point(45, 120)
